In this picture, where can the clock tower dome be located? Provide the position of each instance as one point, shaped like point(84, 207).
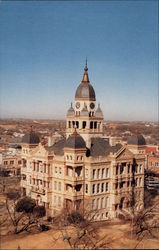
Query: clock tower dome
point(84, 116)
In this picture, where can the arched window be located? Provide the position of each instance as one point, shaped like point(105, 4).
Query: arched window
point(83, 124)
point(95, 125)
point(91, 125)
point(77, 124)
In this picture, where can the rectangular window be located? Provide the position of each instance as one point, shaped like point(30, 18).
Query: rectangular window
point(55, 170)
point(98, 173)
point(102, 173)
point(59, 201)
point(41, 168)
point(98, 204)
point(93, 189)
point(116, 170)
point(140, 181)
point(107, 172)
point(98, 186)
point(106, 202)
point(128, 168)
point(121, 184)
point(136, 182)
point(106, 187)
point(121, 169)
point(59, 186)
point(37, 166)
point(136, 169)
point(48, 168)
point(55, 200)
point(55, 185)
point(102, 202)
point(11, 162)
point(86, 188)
point(86, 173)
point(94, 173)
point(44, 168)
point(102, 187)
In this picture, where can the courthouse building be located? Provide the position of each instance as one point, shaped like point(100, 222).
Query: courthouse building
point(84, 169)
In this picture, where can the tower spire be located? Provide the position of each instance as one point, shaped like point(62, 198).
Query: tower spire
point(85, 75)
point(86, 62)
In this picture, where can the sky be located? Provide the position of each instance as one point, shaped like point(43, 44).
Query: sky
point(44, 44)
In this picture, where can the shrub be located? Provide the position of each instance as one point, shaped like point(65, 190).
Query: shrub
point(44, 227)
point(26, 205)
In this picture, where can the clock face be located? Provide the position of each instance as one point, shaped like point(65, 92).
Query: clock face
point(92, 105)
point(77, 105)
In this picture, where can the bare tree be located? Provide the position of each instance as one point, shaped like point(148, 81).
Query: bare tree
point(79, 230)
point(23, 213)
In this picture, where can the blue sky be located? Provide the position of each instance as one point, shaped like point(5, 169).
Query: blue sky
point(44, 44)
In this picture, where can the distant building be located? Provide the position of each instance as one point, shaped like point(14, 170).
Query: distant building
point(11, 162)
point(84, 168)
point(152, 159)
point(152, 149)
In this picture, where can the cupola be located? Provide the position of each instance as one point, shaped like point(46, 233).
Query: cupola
point(138, 140)
point(85, 90)
point(75, 141)
point(99, 112)
point(71, 111)
point(31, 137)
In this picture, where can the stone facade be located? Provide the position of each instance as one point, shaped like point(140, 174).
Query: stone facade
point(83, 171)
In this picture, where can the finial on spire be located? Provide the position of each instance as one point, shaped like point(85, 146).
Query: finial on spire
point(86, 69)
point(85, 76)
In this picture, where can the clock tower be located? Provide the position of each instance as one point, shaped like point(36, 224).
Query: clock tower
point(85, 117)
